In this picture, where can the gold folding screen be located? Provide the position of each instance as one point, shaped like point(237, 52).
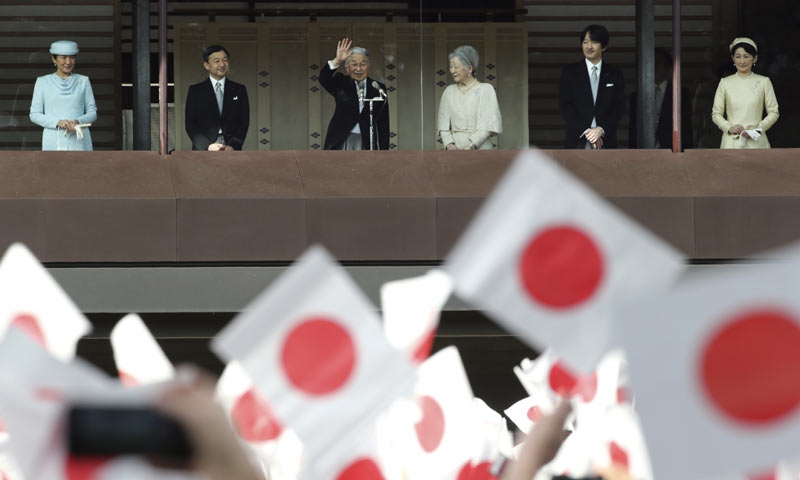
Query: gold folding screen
point(280, 64)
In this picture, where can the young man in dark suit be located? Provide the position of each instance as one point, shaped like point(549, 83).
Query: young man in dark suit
point(663, 103)
point(592, 95)
point(349, 128)
point(217, 109)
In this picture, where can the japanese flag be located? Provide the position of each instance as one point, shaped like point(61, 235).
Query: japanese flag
point(313, 345)
point(411, 309)
point(256, 423)
point(526, 412)
point(443, 440)
point(715, 366)
point(618, 442)
point(552, 261)
point(34, 390)
point(138, 357)
point(365, 460)
point(32, 301)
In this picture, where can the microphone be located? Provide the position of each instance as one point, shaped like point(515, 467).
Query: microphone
point(377, 87)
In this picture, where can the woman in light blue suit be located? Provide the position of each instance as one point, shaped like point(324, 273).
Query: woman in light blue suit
point(63, 102)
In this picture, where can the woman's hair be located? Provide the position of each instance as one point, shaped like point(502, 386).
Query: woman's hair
point(467, 55)
point(747, 48)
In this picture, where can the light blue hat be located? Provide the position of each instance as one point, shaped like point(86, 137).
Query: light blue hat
point(64, 47)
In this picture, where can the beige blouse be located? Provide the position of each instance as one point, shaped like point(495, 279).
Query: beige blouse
point(742, 101)
point(469, 117)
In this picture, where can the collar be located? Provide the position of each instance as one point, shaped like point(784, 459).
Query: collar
point(215, 82)
point(589, 66)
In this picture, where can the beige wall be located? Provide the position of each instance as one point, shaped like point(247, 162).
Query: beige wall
point(280, 64)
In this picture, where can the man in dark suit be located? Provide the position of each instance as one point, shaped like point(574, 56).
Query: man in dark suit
point(217, 109)
point(663, 127)
point(349, 129)
point(592, 95)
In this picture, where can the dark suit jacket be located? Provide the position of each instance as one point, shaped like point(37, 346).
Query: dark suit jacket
point(664, 126)
point(344, 91)
point(577, 107)
point(203, 119)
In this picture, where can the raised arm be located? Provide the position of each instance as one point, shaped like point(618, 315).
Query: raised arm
point(326, 75)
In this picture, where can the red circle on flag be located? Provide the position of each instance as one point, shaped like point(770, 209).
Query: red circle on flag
point(534, 413)
point(362, 469)
point(561, 267)
point(254, 418)
point(619, 456)
point(430, 429)
point(83, 468)
point(28, 324)
point(127, 379)
point(318, 356)
point(749, 366)
point(481, 471)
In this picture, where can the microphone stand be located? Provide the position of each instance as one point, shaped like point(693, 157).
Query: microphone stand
point(371, 125)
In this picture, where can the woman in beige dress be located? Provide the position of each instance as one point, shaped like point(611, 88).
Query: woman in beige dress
point(741, 98)
point(468, 111)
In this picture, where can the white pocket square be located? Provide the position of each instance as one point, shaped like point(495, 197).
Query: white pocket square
point(237, 98)
point(607, 85)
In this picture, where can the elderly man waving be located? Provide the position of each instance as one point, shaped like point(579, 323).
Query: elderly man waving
point(349, 129)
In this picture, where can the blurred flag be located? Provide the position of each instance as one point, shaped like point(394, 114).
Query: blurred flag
point(552, 261)
point(33, 302)
point(138, 356)
point(715, 366)
point(618, 442)
point(313, 345)
point(256, 423)
point(411, 309)
point(34, 390)
point(443, 440)
point(526, 412)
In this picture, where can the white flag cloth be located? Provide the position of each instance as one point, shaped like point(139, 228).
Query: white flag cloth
point(526, 412)
point(313, 345)
point(34, 397)
point(618, 441)
point(138, 356)
point(715, 366)
point(411, 309)
point(34, 388)
point(256, 423)
point(552, 261)
point(31, 300)
point(445, 437)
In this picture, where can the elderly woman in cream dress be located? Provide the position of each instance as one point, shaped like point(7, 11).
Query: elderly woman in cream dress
point(741, 99)
point(468, 112)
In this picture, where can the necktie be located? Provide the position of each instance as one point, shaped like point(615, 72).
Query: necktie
point(218, 92)
point(362, 87)
point(595, 83)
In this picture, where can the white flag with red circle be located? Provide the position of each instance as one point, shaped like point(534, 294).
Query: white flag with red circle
point(33, 302)
point(313, 345)
point(618, 441)
point(34, 390)
point(715, 366)
point(137, 354)
point(526, 412)
point(552, 261)
point(445, 438)
point(411, 309)
point(256, 423)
